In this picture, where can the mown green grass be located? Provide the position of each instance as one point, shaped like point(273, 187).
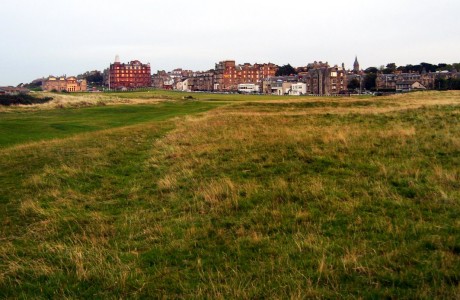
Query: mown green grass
point(245, 201)
point(20, 126)
point(176, 95)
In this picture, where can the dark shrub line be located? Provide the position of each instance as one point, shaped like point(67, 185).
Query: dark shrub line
point(7, 100)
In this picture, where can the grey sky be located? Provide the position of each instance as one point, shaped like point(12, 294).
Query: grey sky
point(42, 37)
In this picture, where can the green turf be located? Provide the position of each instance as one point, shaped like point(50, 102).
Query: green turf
point(18, 126)
point(176, 95)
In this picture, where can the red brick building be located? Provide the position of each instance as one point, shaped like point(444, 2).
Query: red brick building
point(131, 75)
point(228, 75)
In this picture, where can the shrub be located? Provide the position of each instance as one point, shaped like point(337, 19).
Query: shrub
point(7, 100)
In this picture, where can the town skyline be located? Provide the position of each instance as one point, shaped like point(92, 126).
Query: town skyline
point(211, 67)
point(74, 37)
point(317, 78)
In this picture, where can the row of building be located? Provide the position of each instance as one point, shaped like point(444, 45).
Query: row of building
point(52, 83)
point(227, 76)
point(401, 82)
point(119, 76)
point(316, 78)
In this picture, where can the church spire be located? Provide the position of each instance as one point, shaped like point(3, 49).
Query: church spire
point(356, 65)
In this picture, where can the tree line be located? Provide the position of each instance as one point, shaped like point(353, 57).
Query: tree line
point(92, 77)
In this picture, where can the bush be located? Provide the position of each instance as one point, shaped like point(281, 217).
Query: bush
point(7, 100)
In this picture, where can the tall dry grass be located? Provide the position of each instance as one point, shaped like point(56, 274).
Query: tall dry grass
point(79, 100)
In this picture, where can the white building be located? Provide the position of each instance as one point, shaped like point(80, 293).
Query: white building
point(184, 85)
point(248, 88)
point(298, 89)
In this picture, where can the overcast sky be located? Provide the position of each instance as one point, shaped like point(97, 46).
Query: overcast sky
point(44, 37)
